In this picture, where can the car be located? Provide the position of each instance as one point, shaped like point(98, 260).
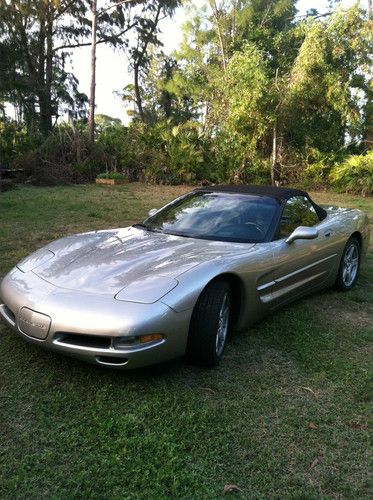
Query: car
point(215, 259)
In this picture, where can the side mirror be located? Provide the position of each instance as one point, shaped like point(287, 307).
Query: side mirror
point(302, 233)
point(152, 212)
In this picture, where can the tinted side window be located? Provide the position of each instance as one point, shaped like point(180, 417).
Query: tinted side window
point(298, 211)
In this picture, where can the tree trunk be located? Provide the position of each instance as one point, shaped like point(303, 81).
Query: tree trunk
point(274, 155)
point(215, 13)
point(138, 97)
point(139, 61)
point(370, 10)
point(45, 113)
point(43, 90)
point(92, 97)
point(46, 108)
point(275, 166)
point(368, 121)
point(234, 23)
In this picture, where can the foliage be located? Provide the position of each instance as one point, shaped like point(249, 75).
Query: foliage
point(111, 175)
point(36, 37)
point(33, 35)
point(254, 93)
point(322, 102)
point(354, 175)
point(309, 78)
point(146, 34)
point(15, 141)
point(104, 122)
point(156, 153)
point(315, 168)
point(182, 154)
point(64, 157)
point(241, 107)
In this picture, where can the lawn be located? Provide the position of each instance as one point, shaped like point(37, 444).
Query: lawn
point(286, 414)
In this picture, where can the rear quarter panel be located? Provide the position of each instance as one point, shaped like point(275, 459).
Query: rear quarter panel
point(346, 222)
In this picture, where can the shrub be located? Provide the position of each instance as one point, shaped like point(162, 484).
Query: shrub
point(354, 175)
point(172, 154)
point(111, 175)
point(309, 169)
point(316, 173)
point(64, 157)
point(15, 141)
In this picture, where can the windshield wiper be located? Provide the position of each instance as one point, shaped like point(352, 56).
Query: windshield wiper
point(184, 235)
point(147, 228)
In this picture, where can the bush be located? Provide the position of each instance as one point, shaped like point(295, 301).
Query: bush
point(111, 175)
point(64, 157)
point(354, 175)
point(316, 173)
point(15, 141)
point(309, 169)
point(164, 154)
point(177, 154)
point(231, 160)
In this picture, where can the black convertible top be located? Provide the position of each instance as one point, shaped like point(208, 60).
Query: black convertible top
point(279, 193)
point(271, 191)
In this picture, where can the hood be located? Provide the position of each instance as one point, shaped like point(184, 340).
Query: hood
point(107, 261)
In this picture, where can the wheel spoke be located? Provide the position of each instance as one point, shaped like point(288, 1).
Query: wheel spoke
point(350, 252)
point(224, 312)
point(222, 327)
point(344, 276)
point(348, 276)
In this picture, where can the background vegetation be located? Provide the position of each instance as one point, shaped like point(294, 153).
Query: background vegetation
point(254, 93)
point(286, 415)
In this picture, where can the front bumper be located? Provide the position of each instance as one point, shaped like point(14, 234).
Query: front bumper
point(86, 325)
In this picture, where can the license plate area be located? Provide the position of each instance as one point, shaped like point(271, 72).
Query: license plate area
point(33, 323)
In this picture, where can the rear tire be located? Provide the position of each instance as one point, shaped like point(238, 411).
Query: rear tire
point(349, 266)
point(209, 325)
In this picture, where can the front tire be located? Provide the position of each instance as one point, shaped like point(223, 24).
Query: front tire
point(349, 266)
point(209, 325)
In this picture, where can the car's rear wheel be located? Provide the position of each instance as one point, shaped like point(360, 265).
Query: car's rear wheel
point(209, 325)
point(349, 266)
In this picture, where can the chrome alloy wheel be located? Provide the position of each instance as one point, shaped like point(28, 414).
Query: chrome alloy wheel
point(223, 324)
point(350, 265)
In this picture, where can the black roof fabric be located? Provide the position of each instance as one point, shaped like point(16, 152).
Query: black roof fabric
point(271, 191)
point(279, 193)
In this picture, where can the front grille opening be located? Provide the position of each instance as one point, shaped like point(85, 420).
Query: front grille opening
point(78, 340)
point(9, 313)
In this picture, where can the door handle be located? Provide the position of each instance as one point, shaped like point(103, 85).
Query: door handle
point(327, 234)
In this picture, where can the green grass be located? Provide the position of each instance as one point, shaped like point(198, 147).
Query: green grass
point(72, 430)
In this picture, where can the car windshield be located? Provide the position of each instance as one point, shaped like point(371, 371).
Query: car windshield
point(216, 216)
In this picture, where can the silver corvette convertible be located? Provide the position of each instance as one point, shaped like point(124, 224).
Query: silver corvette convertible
point(217, 258)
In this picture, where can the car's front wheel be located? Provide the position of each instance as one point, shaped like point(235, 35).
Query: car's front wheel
point(349, 266)
point(209, 325)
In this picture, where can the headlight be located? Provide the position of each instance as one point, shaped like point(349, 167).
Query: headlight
point(147, 290)
point(35, 260)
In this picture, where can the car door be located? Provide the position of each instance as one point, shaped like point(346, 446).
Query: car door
point(303, 265)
